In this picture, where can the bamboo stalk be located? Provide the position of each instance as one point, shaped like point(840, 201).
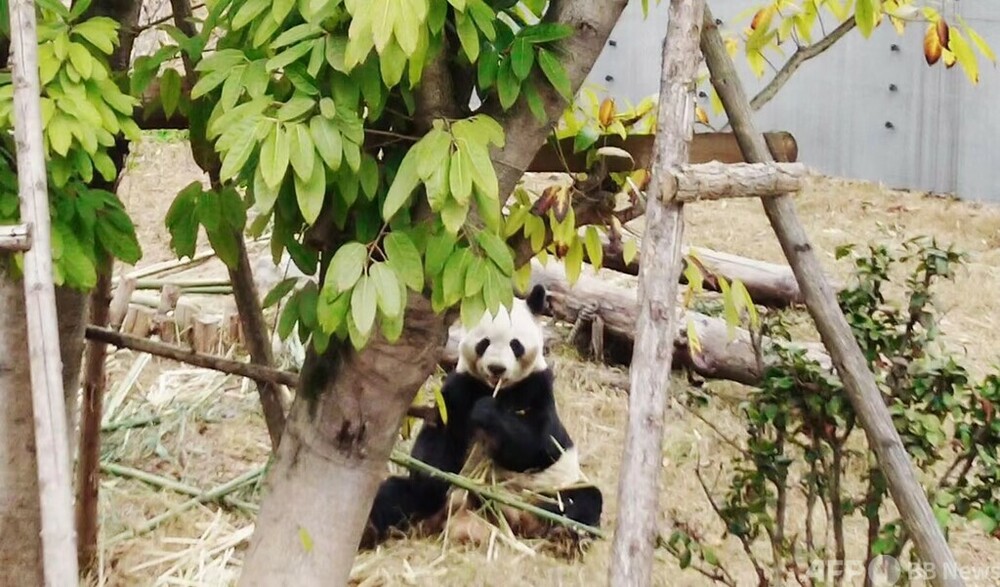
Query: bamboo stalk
point(58, 532)
point(506, 498)
point(131, 423)
point(171, 484)
point(213, 494)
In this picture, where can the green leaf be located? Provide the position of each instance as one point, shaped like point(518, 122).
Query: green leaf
point(586, 138)
point(327, 140)
point(170, 91)
point(453, 215)
point(629, 251)
point(295, 107)
point(331, 309)
point(302, 154)
point(454, 275)
point(594, 247)
point(574, 261)
point(264, 195)
point(439, 249)
point(497, 291)
point(402, 255)
point(364, 304)
point(508, 85)
point(368, 176)
point(296, 34)
point(248, 12)
point(328, 108)
point(437, 185)
point(78, 269)
point(472, 311)
point(279, 291)
point(121, 244)
point(81, 59)
point(237, 157)
point(489, 211)
point(435, 147)
point(387, 289)
point(289, 56)
point(289, 316)
point(535, 102)
point(487, 68)
point(383, 16)
point(274, 157)
point(460, 176)
point(522, 58)
point(545, 33)
point(497, 250)
point(481, 166)
point(346, 266)
point(311, 192)
point(403, 184)
point(555, 73)
point(468, 36)
point(475, 276)
point(866, 16)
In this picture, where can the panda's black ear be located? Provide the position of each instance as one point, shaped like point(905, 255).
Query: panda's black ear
point(537, 299)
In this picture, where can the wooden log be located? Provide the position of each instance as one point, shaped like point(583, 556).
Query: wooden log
point(769, 284)
point(859, 383)
point(166, 326)
point(721, 357)
point(717, 181)
point(169, 295)
point(51, 444)
point(206, 333)
point(120, 302)
point(139, 321)
point(705, 147)
point(642, 458)
point(15, 238)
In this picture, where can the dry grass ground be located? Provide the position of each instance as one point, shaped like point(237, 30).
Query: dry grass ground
point(210, 430)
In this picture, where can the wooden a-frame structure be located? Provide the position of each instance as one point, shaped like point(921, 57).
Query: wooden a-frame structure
point(691, 32)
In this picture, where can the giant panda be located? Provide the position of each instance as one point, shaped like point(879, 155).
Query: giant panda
point(500, 405)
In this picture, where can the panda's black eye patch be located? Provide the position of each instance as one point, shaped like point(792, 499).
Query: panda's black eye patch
point(481, 346)
point(517, 347)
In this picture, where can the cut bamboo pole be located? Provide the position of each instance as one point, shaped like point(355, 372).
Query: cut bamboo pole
point(59, 563)
point(836, 334)
point(639, 480)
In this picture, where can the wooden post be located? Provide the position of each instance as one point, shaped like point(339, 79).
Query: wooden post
point(836, 334)
point(16, 237)
point(639, 481)
point(59, 563)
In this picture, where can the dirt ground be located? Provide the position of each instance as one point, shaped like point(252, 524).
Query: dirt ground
point(208, 429)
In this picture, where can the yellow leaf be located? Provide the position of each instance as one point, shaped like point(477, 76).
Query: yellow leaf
point(629, 251)
point(757, 62)
point(732, 45)
point(441, 406)
point(966, 58)
point(980, 43)
point(932, 45)
point(700, 115)
point(694, 345)
point(606, 112)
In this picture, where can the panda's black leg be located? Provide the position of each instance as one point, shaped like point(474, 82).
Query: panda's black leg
point(581, 504)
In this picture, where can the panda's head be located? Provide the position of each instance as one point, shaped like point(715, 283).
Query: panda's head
point(507, 347)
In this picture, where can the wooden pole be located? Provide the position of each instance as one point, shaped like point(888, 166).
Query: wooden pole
point(836, 334)
point(717, 181)
point(51, 441)
point(639, 481)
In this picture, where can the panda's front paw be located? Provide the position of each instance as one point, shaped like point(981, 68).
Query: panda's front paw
point(484, 412)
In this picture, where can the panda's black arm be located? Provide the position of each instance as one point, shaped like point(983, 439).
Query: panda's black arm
point(519, 440)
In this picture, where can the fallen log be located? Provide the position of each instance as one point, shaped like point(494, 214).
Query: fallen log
point(721, 357)
point(705, 147)
point(770, 284)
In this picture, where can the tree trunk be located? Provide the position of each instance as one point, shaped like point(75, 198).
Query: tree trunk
point(642, 458)
point(338, 437)
point(20, 516)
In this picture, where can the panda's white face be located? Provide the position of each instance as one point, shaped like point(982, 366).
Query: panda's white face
point(508, 347)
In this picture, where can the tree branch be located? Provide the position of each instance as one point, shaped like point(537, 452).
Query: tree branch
point(801, 55)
